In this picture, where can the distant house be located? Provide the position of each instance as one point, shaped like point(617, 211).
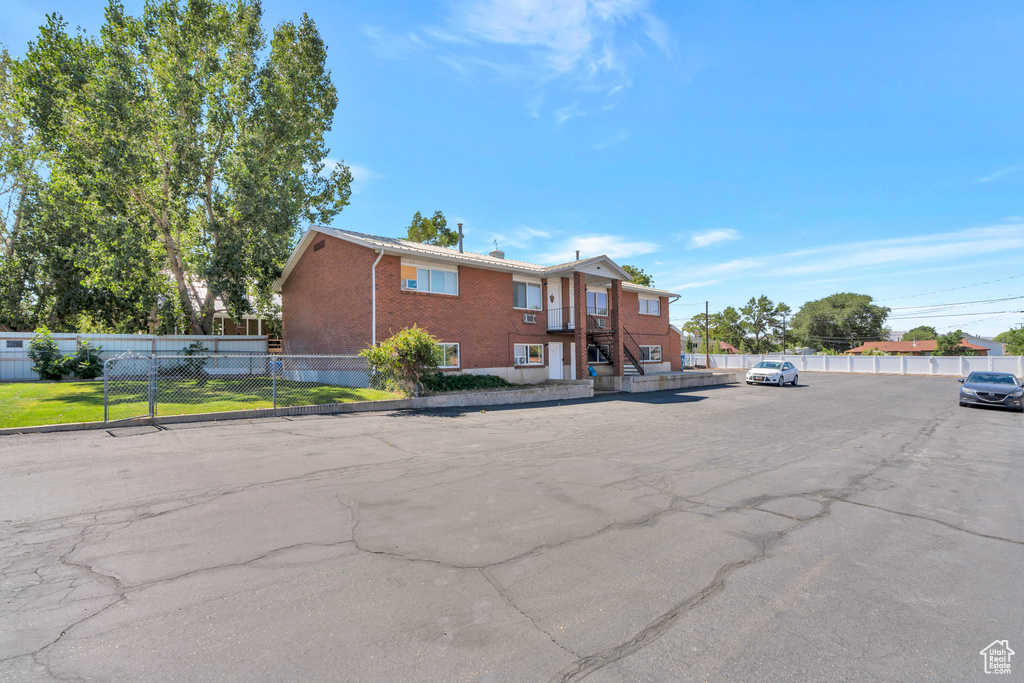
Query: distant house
point(994, 348)
point(923, 347)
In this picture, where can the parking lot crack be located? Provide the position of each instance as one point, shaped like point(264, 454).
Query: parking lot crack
point(932, 519)
point(508, 601)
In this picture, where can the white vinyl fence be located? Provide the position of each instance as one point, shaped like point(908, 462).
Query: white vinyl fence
point(956, 366)
point(16, 365)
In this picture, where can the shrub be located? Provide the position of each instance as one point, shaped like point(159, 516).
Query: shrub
point(446, 381)
point(404, 359)
point(47, 360)
point(86, 363)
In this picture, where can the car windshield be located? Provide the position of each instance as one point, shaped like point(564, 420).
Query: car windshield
point(992, 378)
point(770, 365)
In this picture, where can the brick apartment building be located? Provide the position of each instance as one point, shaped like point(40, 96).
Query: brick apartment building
point(343, 290)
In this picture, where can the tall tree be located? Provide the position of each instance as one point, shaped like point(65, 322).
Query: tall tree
point(840, 321)
point(638, 276)
point(727, 326)
point(762, 318)
point(184, 139)
point(1014, 340)
point(432, 230)
point(951, 344)
point(696, 326)
point(920, 333)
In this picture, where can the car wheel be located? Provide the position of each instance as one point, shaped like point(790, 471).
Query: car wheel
point(795, 378)
point(782, 380)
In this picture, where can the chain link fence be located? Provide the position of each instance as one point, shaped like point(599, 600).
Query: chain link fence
point(147, 386)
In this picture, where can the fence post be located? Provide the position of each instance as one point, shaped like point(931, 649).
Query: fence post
point(903, 365)
point(151, 389)
point(849, 363)
point(273, 380)
point(961, 366)
point(106, 400)
point(874, 365)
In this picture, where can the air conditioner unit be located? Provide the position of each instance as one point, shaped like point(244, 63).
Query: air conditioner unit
point(409, 284)
point(530, 318)
point(520, 360)
point(601, 322)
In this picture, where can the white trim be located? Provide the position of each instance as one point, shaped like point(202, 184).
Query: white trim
point(516, 356)
point(458, 355)
point(660, 358)
point(516, 277)
point(429, 263)
point(640, 305)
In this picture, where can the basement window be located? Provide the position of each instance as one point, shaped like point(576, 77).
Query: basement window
point(447, 356)
point(650, 354)
point(529, 354)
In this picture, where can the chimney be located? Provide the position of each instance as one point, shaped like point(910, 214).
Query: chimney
point(460, 238)
point(497, 253)
point(577, 254)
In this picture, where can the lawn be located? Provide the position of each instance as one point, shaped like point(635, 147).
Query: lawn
point(24, 404)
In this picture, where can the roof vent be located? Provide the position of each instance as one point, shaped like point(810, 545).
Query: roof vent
point(497, 253)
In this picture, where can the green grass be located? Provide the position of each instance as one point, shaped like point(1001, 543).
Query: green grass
point(24, 404)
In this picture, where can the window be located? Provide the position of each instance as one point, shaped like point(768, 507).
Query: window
point(650, 354)
point(529, 354)
point(526, 295)
point(594, 356)
point(430, 280)
point(597, 303)
point(447, 355)
point(15, 344)
point(650, 306)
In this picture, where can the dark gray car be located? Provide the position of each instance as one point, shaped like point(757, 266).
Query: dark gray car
point(999, 389)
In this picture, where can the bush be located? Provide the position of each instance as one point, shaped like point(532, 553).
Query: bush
point(47, 360)
point(86, 363)
point(445, 381)
point(404, 359)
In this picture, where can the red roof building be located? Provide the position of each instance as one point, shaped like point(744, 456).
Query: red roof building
point(924, 347)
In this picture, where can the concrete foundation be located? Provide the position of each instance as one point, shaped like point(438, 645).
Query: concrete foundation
point(636, 384)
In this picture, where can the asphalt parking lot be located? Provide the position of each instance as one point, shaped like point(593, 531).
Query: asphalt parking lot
point(852, 528)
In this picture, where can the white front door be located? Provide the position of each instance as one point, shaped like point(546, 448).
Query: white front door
point(554, 305)
point(556, 363)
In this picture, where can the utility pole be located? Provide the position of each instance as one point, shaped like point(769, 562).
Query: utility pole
point(783, 334)
point(707, 339)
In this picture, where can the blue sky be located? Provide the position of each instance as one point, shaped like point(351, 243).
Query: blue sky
point(731, 149)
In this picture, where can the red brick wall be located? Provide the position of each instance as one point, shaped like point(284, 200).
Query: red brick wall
point(651, 329)
point(480, 318)
point(326, 299)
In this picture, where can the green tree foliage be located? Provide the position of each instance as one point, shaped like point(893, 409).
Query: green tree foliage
point(761, 320)
point(840, 321)
point(695, 326)
point(638, 276)
point(188, 140)
point(1014, 340)
point(404, 359)
point(86, 363)
point(47, 360)
point(727, 326)
point(432, 230)
point(951, 344)
point(922, 332)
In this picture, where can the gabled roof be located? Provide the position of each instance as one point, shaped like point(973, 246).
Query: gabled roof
point(400, 247)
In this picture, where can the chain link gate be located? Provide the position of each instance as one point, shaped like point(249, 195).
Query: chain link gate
point(129, 387)
point(143, 386)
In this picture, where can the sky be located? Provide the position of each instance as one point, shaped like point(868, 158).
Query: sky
point(730, 149)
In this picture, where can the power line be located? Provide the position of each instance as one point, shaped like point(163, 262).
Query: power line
point(953, 289)
point(957, 303)
point(955, 315)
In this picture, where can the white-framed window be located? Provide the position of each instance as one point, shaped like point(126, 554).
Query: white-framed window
point(447, 355)
point(526, 295)
point(597, 303)
point(650, 354)
point(424, 279)
point(594, 356)
point(529, 354)
point(650, 306)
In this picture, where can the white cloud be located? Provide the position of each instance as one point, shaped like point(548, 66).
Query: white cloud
point(613, 246)
point(999, 174)
point(565, 113)
point(388, 45)
point(706, 239)
point(619, 137)
point(361, 176)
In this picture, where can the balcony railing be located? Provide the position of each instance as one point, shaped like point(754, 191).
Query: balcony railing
point(599, 320)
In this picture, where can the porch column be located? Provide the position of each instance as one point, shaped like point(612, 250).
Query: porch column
point(617, 341)
point(579, 294)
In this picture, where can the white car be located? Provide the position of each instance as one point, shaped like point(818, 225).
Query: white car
point(775, 372)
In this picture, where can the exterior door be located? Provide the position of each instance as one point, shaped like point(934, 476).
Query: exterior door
point(554, 304)
point(556, 361)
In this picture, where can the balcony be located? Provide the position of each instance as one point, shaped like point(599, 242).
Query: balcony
point(563, 320)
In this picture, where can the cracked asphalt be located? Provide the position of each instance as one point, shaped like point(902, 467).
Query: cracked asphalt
point(854, 528)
